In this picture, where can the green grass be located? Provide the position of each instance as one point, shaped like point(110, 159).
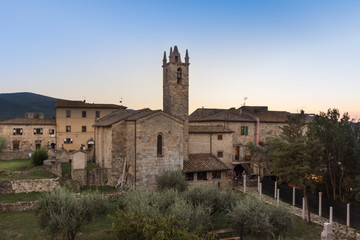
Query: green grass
point(91, 165)
point(22, 169)
point(24, 226)
point(66, 170)
point(100, 189)
point(21, 197)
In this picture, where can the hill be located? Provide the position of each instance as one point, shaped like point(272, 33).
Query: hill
point(15, 105)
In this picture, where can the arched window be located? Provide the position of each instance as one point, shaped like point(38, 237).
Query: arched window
point(159, 145)
point(178, 75)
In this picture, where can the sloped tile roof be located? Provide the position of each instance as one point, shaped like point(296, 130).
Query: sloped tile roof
point(204, 162)
point(123, 114)
point(81, 104)
point(209, 129)
point(29, 121)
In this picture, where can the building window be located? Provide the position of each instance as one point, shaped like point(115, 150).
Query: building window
point(51, 131)
point(220, 154)
point(68, 113)
point(83, 128)
point(37, 144)
point(237, 152)
point(83, 114)
point(68, 128)
point(38, 131)
point(68, 140)
point(202, 176)
point(16, 145)
point(216, 174)
point(190, 176)
point(159, 145)
point(97, 114)
point(178, 75)
point(220, 137)
point(244, 130)
point(17, 131)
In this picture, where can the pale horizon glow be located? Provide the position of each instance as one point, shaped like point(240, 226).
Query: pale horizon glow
point(287, 55)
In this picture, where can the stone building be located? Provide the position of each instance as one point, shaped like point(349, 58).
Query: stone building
point(30, 132)
point(75, 120)
point(226, 132)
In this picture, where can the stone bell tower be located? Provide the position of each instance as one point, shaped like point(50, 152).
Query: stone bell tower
point(176, 90)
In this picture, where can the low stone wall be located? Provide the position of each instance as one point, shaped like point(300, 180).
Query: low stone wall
point(221, 183)
point(11, 155)
point(91, 177)
point(53, 167)
point(18, 206)
point(37, 185)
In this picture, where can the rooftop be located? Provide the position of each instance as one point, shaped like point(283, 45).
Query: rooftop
point(204, 162)
point(83, 104)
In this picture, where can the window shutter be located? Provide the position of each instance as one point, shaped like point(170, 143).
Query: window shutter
point(70, 140)
point(41, 131)
point(34, 131)
point(246, 130)
point(64, 140)
point(14, 131)
point(21, 131)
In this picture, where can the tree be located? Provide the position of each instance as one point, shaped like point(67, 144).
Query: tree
point(137, 225)
point(39, 156)
point(341, 155)
point(3, 143)
point(296, 156)
point(250, 216)
point(62, 213)
point(260, 154)
point(172, 180)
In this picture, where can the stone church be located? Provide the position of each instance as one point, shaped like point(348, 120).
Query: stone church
point(140, 144)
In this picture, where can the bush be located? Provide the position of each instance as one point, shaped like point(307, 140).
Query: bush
point(137, 225)
point(172, 180)
point(253, 217)
point(39, 156)
point(212, 197)
point(63, 213)
point(3, 143)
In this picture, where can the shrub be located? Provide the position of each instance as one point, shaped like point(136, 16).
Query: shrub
point(172, 180)
point(253, 217)
point(39, 156)
point(212, 197)
point(63, 213)
point(3, 143)
point(137, 225)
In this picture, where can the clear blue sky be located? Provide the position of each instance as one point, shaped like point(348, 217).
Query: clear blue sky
point(286, 54)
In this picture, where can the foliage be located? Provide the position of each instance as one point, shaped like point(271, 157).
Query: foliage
point(137, 225)
point(3, 143)
point(62, 213)
point(253, 217)
point(211, 197)
point(296, 156)
point(20, 197)
point(172, 180)
point(39, 156)
point(341, 155)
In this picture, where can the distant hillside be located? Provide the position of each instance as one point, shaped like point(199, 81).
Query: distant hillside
point(15, 105)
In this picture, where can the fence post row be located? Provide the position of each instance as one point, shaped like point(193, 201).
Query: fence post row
point(275, 189)
point(320, 203)
point(293, 199)
point(303, 209)
point(244, 183)
point(348, 215)
point(278, 197)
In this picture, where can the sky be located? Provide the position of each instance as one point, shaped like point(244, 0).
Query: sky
point(285, 54)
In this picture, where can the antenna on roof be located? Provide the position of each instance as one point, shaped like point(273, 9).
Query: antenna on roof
point(84, 99)
point(245, 98)
point(121, 100)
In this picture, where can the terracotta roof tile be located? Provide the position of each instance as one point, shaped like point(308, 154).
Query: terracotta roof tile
point(81, 104)
point(209, 129)
point(204, 162)
point(29, 121)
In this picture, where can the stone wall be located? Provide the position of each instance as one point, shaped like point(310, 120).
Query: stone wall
point(91, 177)
point(59, 155)
point(18, 206)
point(53, 167)
point(11, 155)
point(37, 185)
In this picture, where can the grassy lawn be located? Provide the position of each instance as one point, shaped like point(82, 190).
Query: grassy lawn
point(22, 169)
point(21, 197)
point(24, 225)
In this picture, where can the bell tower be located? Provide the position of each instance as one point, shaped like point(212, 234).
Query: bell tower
point(176, 90)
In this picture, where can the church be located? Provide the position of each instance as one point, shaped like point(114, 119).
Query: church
point(138, 145)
